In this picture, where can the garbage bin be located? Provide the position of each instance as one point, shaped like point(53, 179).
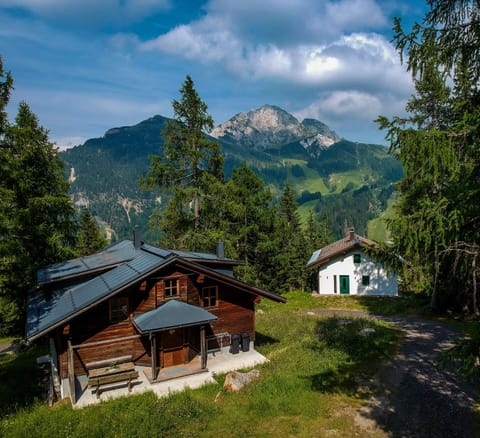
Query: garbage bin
point(245, 342)
point(235, 345)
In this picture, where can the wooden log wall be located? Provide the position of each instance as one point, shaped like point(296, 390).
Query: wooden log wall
point(234, 309)
point(235, 312)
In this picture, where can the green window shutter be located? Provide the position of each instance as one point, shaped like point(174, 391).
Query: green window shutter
point(365, 280)
point(357, 258)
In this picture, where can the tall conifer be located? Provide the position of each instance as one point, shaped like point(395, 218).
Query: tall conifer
point(436, 228)
point(36, 215)
point(187, 156)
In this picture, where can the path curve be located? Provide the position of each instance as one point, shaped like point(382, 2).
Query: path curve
point(415, 398)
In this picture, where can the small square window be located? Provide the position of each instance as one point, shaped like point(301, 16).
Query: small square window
point(210, 296)
point(118, 308)
point(357, 258)
point(365, 280)
point(171, 288)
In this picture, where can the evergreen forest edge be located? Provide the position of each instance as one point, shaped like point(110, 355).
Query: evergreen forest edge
point(434, 227)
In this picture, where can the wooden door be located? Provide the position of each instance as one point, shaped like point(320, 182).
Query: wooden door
point(173, 352)
point(344, 284)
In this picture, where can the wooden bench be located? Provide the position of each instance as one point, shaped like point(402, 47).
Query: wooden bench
point(111, 371)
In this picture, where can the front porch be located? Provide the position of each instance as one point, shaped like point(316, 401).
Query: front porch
point(170, 380)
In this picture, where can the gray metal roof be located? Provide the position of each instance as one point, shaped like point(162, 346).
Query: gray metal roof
point(115, 268)
point(45, 310)
point(115, 254)
point(171, 315)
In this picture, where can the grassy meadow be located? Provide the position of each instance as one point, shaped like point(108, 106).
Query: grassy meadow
point(315, 381)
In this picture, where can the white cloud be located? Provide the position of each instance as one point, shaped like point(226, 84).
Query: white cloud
point(248, 39)
point(64, 143)
point(352, 113)
point(343, 105)
point(350, 14)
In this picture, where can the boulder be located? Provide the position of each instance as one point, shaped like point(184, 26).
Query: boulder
point(235, 380)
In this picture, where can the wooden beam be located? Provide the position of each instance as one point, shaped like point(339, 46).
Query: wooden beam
point(203, 348)
point(153, 345)
point(71, 372)
point(107, 341)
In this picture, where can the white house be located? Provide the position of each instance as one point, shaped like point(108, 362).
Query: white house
point(345, 268)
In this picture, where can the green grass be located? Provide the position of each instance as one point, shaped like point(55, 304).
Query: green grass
point(377, 228)
point(338, 181)
point(18, 380)
point(8, 339)
point(310, 386)
point(409, 304)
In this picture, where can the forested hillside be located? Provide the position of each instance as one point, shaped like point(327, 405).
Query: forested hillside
point(342, 180)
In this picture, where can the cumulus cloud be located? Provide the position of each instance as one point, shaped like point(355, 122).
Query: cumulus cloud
point(342, 105)
point(333, 49)
point(249, 39)
point(352, 113)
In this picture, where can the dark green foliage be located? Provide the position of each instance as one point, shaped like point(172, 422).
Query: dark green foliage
point(20, 380)
point(317, 235)
point(36, 215)
point(187, 160)
point(249, 215)
point(89, 237)
point(107, 170)
point(436, 228)
point(357, 207)
point(284, 254)
point(106, 173)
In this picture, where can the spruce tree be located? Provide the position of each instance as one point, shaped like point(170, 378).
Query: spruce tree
point(284, 255)
point(36, 214)
point(89, 237)
point(249, 216)
point(188, 156)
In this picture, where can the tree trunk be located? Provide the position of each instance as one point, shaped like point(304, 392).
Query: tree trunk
point(196, 211)
point(475, 302)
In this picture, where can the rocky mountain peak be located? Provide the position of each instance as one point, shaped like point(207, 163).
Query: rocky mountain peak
point(270, 127)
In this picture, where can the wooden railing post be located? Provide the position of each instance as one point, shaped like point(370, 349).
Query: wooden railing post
point(154, 356)
point(71, 372)
point(203, 348)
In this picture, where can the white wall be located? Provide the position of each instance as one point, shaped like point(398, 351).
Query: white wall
point(381, 283)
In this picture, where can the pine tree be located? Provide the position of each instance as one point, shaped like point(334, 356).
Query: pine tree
point(89, 237)
point(36, 214)
point(285, 253)
point(188, 157)
point(249, 216)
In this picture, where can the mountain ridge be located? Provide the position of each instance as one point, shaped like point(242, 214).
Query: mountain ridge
point(271, 126)
point(322, 169)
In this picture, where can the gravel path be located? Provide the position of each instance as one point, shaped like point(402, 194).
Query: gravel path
point(415, 398)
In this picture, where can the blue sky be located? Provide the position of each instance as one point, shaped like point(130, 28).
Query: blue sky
point(85, 66)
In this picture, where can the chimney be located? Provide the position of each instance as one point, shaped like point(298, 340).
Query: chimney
point(137, 237)
point(350, 234)
point(220, 249)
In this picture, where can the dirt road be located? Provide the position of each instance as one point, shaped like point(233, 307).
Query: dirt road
point(415, 397)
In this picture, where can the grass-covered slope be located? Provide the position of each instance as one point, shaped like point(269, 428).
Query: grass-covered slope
point(316, 379)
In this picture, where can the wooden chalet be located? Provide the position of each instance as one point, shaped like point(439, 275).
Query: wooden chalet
point(135, 305)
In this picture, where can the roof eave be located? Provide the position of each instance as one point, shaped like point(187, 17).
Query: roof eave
point(232, 281)
point(93, 304)
point(171, 327)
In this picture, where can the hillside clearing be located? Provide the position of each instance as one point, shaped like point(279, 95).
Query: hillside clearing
point(315, 382)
